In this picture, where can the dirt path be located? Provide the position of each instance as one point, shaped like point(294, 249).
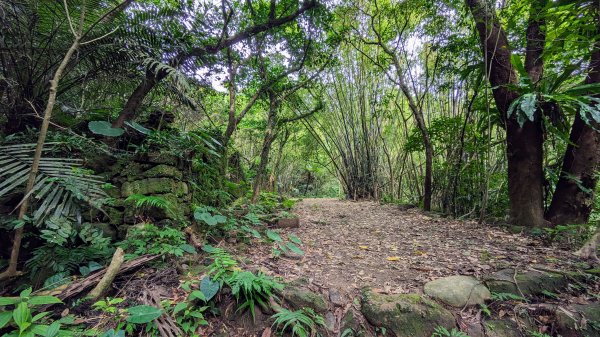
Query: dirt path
point(349, 245)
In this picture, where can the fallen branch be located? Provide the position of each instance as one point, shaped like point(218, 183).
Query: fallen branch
point(109, 275)
point(80, 286)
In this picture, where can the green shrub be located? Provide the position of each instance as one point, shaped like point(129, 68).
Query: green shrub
point(151, 239)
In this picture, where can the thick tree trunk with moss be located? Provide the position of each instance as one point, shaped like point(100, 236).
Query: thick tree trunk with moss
point(574, 195)
point(524, 144)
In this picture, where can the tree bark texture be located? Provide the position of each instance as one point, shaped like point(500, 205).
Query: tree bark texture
point(524, 144)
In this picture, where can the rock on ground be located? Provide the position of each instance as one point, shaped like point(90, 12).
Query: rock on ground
point(583, 320)
point(458, 290)
point(406, 315)
point(530, 282)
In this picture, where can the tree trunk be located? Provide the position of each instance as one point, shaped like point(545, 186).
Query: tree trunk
point(11, 270)
point(574, 194)
point(137, 97)
point(524, 144)
point(270, 134)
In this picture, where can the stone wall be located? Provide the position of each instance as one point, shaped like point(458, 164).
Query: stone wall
point(150, 175)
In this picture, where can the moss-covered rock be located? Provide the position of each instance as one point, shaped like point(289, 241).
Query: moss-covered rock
point(501, 328)
point(162, 171)
point(298, 295)
point(584, 321)
point(530, 282)
point(178, 209)
point(153, 186)
point(406, 315)
point(161, 158)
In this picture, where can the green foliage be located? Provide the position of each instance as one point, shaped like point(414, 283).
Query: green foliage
point(440, 331)
point(127, 319)
point(251, 289)
point(20, 316)
point(485, 309)
point(108, 305)
point(574, 235)
point(150, 239)
point(301, 323)
point(150, 201)
point(188, 314)
point(209, 216)
point(62, 187)
point(285, 247)
point(68, 247)
point(223, 264)
point(189, 317)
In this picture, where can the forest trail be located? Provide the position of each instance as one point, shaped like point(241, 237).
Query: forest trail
point(349, 245)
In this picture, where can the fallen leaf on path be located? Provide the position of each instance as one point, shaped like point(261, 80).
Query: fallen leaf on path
point(393, 258)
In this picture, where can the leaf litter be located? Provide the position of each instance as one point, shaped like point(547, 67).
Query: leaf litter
point(349, 245)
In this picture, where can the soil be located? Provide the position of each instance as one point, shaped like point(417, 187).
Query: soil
point(349, 245)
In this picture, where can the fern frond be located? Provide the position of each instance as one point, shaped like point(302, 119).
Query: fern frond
point(60, 187)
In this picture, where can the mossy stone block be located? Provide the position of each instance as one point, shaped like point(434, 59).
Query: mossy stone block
point(162, 171)
point(153, 186)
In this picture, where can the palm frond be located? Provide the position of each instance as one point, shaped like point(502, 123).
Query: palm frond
point(61, 186)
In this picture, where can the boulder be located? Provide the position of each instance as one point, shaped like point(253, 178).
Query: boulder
point(161, 171)
point(531, 282)
point(580, 320)
point(458, 290)
point(406, 315)
point(152, 186)
point(299, 296)
point(501, 328)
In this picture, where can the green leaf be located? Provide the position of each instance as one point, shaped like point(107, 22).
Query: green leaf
point(40, 316)
point(273, 236)
point(180, 306)
point(197, 294)
point(138, 127)
point(52, 330)
point(9, 300)
point(25, 293)
point(583, 89)
point(143, 314)
point(39, 300)
point(22, 316)
point(209, 288)
point(294, 239)
point(528, 106)
point(291, 246)
point(188, 248)
point(104, 128)
point(5, 317)
point(518, 64)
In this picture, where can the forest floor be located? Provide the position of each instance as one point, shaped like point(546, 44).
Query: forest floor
point(349, 245)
